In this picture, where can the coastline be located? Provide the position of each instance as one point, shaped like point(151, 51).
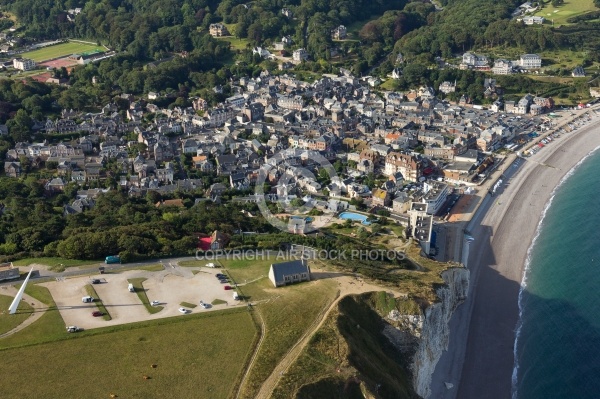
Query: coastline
point(480, 358)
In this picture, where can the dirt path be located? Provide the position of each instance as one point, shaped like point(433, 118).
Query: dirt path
point(254, 356)
point(347, 285)
point(38, 311)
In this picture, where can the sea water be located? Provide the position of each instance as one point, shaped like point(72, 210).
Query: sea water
point(557, 351)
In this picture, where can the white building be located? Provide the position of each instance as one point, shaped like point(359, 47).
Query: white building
point(475, 60)
point(530, 61)
point(448, 87)
point(502, 67)
point(300, 55)
point(533, 20)
point(24, 64)
point(436, 194)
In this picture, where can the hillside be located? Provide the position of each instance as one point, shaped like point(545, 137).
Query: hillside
point(350, 355)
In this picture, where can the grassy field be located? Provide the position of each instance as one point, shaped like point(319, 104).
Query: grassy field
point(10, 321)
point(193, 263)
point(236, 43)
point(571, 8)
point(61, 50)
point(187, 305)
point(49, 327)
point(114, 360)
point(287, 315)
point(91, 291)
point(55, 264)
point(141, 293)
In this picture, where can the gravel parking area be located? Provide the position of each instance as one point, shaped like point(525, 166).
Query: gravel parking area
point(171, 287)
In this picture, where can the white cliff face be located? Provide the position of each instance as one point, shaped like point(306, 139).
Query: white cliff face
point(425, 336)
point(435, 332)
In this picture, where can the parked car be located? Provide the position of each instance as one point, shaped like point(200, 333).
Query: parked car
point(87, 299)
point(97, 313)
point(95, 281)
point(155, 303)
point(227, 287)
point(184, 310)
point(204, 305)
point(73, 329)
point(220, 275)
point(224, 281)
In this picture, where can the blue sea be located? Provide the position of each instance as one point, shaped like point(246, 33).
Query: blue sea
point(558, 336)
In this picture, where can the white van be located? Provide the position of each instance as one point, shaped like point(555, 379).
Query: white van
point(130, 288)
point(236, 296)
point(87, 299)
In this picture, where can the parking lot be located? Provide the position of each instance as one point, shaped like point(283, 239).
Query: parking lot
point(170, 287)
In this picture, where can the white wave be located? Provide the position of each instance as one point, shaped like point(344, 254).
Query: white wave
point(514, 379)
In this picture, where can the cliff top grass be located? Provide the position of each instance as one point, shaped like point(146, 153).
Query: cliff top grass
point(348, 357)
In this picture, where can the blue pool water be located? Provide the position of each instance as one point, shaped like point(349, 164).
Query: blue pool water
point(354, 216)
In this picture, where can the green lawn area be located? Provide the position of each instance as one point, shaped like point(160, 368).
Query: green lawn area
point(356, 26)
point(287, 317)
point(196, 357)
point(193, 263)
point(10, 321)
point(236, 43)
point(49, 327)
point(61, 50)
point(141, 293)
point(387, 85)
point(562, 58)
point(55, 264)
point(570, 8)
point(187, 305)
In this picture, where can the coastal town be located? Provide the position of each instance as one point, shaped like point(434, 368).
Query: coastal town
point(392, 151)
point(336, 198)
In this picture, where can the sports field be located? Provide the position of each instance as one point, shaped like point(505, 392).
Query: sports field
point(570, 8)
point(61, 50)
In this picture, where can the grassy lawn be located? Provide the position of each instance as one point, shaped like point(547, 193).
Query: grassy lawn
point(114, 360)
point(356, 26)
point(287, 316)
point(218, 302)
point(236, 43)
point(61, 50)
point(193, 263)
point(570, 8)
point(10, 321)
point(91, 291)
point(187, 305)
point(562, 58)
point(49, 327)
point(55, 264)
point(387, 85)
point(141, 293)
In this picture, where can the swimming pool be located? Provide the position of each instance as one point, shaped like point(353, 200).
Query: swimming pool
point(354, 216)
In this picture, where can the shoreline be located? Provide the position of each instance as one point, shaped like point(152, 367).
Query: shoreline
point(526, 268)
point(480, 357)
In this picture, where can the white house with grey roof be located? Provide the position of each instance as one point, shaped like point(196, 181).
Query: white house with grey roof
point(290, 272)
